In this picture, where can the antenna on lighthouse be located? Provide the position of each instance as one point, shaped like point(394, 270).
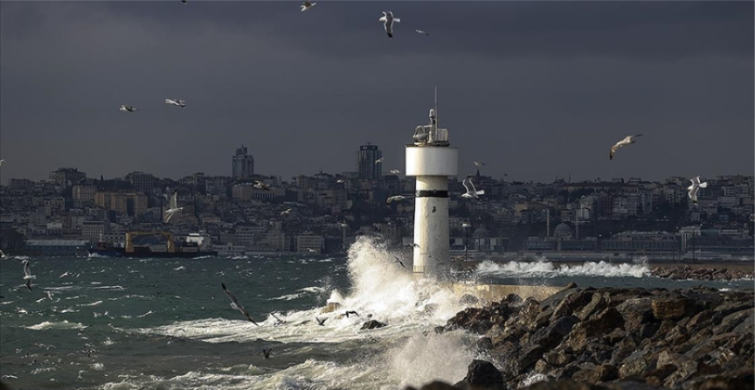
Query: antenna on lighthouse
point(436, 105)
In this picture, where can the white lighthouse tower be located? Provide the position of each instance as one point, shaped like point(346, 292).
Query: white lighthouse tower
point(431, 160)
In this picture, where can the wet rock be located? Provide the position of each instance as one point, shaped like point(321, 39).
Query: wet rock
point(437, 385)
point(468, 299)
point(550, 337)
point(373, 324)
point(482, 375)
point(484, 344)
point(670, 308)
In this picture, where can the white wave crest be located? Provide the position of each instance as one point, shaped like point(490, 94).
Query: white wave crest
point(546, 269)
point(56, 325)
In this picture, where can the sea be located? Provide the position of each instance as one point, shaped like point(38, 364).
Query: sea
point(107, 323)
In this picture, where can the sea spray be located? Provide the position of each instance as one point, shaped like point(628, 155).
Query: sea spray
point(544, 269)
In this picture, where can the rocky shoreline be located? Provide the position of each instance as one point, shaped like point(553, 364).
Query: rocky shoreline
point(613, 338)
point(686, 272)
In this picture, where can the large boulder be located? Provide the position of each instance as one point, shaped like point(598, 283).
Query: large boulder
point(373, 324)
point(482, 375)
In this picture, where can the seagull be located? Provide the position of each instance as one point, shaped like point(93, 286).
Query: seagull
point(630, 139)
point(1, 162)
point(399, 261)
point(694, 187)
point(397, 198)
point(378, 161)
point(395, 171)
point(237, 304)
point(176, 102)
point(415, 245)
point(2, 254)
point(339, 181)
point(126, 108)
point(479, 164)
point(343, 224)
point(267, 352)
point(27, 275)
point(388, 21)
point(465, 225)
point(286, 212)
point(351, 312)
point(421, 32)
point(261, 186)
point(471, 192)
point(307, 5)
point(321, 322)
point(277, 319)
point(311, 250)
point(172, 207)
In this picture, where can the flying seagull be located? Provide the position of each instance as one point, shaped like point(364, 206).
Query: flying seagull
point(126, 108)
point(465, 225)
point(267, 352)
point(388, 21)
point(694, 187)
point(471, 192)
point(277, 319)
point(285, 212)
point(628, 140)
point(479, 164)
point(261, 186)
point(378, 161)
point(395, 171)
point(176, 102)
point(311, 250)
point(1, 162)
point(351, 312)
point(399, 261)
point(238, 305)
point(422, 32)
point(307, 5)
point(172, 207)
point(321, 322)
point(339, 181)
point(397, 198)
point(27, 275)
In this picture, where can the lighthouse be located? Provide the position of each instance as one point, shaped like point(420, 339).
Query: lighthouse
point(431, 159)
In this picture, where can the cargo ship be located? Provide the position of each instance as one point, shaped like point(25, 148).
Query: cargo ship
point(156, 245)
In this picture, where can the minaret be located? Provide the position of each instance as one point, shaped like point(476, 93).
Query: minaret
point(431, 160)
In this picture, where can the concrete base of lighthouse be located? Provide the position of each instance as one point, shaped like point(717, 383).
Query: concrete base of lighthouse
point(432, 165)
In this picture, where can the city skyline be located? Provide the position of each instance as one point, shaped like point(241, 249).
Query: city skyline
point(535, 90)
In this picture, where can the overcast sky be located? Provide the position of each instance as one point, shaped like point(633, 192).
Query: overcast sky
point(534, 89)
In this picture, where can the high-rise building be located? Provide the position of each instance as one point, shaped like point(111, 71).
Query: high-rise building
point(366, 166)
point(243, 163)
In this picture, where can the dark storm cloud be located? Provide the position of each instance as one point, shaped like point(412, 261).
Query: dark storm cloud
point(536, 89)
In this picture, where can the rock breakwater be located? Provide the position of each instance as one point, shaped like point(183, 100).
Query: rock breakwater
point(693, 339)
point(687, 272)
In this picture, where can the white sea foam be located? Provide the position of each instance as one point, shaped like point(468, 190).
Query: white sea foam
point(56, 325)
point(406, 352)
point(548, 270)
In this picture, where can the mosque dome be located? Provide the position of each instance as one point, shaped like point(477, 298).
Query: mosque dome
point(562, 230)
point(480, 233)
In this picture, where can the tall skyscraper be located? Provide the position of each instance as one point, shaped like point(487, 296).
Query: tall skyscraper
point(366, 157)
point(243, 163)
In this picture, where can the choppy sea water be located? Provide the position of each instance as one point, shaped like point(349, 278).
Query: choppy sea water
point(166, 323)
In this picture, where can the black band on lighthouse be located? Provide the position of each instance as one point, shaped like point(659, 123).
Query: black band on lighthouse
point(432, 194)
